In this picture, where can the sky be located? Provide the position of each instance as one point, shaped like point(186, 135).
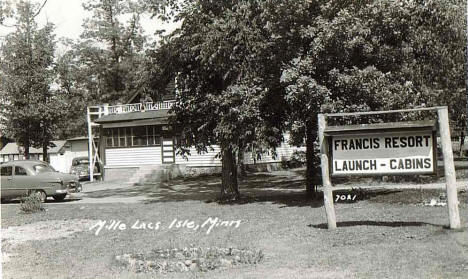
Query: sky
point(68, 16)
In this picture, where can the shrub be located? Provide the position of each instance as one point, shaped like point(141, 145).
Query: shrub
point(31, 204)
point(285, 164)
point(298, 159)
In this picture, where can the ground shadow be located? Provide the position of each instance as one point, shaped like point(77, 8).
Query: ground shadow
point(285, 188)
point(376, 223)
point(300, 199)
point(288, 190)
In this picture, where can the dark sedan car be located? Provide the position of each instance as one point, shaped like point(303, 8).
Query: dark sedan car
point(80, 167)
point(23, 177)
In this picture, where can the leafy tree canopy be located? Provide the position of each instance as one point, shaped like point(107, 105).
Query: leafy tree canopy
point(246, 70)
point(374, 55)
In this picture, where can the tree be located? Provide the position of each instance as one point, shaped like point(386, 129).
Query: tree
point(371, 55)
point(442, 49)
point(76, 85)
point(5, 11)
point(106, 65)
point(111, 50)
point(284, 63)
point(227, 57)
point(31, 108)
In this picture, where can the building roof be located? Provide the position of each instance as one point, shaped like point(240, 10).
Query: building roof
point(167, 94)
point(23, 162)
point(131, 116)
point(12, 148)
point(81, 138)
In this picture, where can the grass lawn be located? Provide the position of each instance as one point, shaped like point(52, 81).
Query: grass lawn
point(387, 234)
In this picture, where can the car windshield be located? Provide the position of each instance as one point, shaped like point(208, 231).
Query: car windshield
point(80, 162)
point(43, 168)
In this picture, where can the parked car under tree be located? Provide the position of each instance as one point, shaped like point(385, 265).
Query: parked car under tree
point(24, 177)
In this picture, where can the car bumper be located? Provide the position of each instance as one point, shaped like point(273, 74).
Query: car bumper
point(74, 187)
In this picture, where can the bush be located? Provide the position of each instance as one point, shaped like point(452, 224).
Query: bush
point(31, 204)
point(298, 159)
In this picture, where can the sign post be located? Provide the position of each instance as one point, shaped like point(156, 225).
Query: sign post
point(449, 168)
point(327, 186)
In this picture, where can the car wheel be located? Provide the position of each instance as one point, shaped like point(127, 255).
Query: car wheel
point(59, 197)
point(42, 195)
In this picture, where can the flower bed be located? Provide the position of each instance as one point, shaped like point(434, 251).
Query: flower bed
point(189, 259)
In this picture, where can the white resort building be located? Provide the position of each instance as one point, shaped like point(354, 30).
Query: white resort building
point(137, 144)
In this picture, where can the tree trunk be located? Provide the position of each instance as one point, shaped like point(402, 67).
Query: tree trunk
point(462, 142)
point(45, 154)
point(312, 171)
point(26, 151)
point(240, 163)
point(229, 186)
point(45, 144)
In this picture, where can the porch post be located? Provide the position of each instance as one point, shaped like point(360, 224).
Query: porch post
point(90, 146)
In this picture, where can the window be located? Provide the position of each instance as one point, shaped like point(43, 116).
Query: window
point(6, 171)
point(122, 137)
point(43, 168)
point(115, 137)
point(20, 171)
point(156, 135)
point(108, 135)
point(80, 161)
point(139, 136)
point(133, 136)
point(128, 134)
point(150, 135)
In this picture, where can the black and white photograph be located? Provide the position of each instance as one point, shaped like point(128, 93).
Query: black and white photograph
point(233, 139)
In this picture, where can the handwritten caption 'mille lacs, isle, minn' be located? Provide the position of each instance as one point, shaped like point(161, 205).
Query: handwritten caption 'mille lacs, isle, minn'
point(208, 225)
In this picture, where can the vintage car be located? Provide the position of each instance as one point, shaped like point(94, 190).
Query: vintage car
point(23, 177)
point(80, 167)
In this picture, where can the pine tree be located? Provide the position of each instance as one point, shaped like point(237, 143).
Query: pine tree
point(31, 109)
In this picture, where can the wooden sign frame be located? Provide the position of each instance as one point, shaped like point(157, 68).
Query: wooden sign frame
point(445, 140)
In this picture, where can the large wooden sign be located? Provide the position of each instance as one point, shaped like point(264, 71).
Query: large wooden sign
point(383, 153)
point(386, 149)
